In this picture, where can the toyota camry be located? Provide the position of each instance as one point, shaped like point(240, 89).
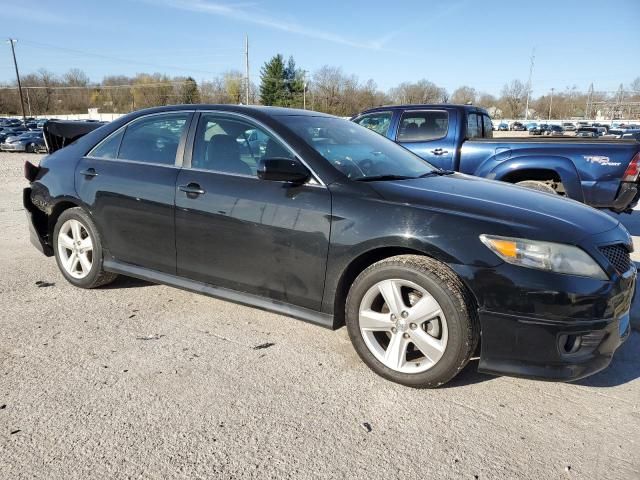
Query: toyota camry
point(331, 223)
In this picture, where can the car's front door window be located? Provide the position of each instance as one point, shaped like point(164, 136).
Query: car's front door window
point(232, 145)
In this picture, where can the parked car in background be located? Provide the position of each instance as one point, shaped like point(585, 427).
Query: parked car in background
point(631, 134)
point(29, 142)
point(615, 132)
point(590, 132)
point(540, 129)
point(599, 172)
point(531, 126)
point(568, 127)
point(503, 127)
point(167, 195)
point(518, 127)
point(554, 130)
point(11, 132)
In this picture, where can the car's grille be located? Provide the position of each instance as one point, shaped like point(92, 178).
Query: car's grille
point(618, 255)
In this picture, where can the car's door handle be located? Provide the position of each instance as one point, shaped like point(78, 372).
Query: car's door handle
point(439, 151)
point(192, 189)
point(89, 172)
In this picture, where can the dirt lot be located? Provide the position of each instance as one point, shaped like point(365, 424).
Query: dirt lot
point(145, 381)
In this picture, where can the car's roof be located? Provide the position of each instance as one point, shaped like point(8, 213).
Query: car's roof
point(253, 109)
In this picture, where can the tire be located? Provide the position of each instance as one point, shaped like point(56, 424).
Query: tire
point(80, 263)
point(29, 148)
point(536, 185)
point(452, 329)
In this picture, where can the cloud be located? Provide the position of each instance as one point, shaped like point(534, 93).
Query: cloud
point(241, 13)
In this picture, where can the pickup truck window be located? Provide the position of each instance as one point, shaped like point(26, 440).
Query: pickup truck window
point(474, 126)
point(422, 126)
point(378, 122)
point(488, 126)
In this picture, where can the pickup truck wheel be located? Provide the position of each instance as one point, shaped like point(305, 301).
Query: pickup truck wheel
point(412, 321)
point(78, 250)
point(536, 185)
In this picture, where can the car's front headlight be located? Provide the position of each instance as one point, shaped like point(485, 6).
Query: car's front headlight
point(554, 257)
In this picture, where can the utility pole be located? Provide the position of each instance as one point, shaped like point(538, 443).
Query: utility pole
point(15, 64)
point(551, 102)
point(246, 68)
point(533, 58)
point(304, 90)
point(28, 101)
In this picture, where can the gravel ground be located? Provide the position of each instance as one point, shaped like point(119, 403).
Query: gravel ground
point(145, 381)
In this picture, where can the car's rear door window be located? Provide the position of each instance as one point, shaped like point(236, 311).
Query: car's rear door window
point(232, 145)
point(154, 139)
point(379, 122)
point(423, 126)
point(109, 147)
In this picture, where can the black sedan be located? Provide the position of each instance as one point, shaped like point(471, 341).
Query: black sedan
point(334, 224)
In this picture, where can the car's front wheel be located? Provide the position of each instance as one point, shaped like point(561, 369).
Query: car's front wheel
point(412, 321)
point(78, 250)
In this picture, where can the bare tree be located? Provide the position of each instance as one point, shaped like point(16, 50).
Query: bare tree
point(463, 95)
point(422, 91)
point(513, 98)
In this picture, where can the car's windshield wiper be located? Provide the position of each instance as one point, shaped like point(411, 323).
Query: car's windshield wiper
point(438, 173)
point(375, 178)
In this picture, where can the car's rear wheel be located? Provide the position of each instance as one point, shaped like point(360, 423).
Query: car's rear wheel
point(537, 185)
point(412, 321)
point(78, 250)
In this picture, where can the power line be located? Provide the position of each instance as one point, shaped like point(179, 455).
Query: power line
point(109, 57)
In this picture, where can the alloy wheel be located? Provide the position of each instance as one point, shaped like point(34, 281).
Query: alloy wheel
point(75, 248)
point(403, 326)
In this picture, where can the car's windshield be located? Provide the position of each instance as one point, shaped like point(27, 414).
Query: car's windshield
point(356, 151)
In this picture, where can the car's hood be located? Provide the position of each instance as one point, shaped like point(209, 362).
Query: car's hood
point(537, 215)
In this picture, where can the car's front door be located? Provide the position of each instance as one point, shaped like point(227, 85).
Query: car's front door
point(429, 134)
point(237, 231)
point(128, 181)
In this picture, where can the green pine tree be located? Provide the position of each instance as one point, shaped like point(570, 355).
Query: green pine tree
point(273, 82)
point(189, 92)
point(295, 84)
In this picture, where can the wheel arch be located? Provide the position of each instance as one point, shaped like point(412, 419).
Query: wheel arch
point(57, 210)
point(543, 168)
point(357, 265)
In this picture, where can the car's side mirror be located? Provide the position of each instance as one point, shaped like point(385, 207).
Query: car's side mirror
point(283, 170)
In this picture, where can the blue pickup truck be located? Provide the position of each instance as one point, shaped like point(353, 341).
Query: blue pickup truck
point(600, 172)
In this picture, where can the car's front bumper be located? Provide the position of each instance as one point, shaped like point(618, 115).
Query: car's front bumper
point(535, 348)
point(12, 147)
point(530, 318)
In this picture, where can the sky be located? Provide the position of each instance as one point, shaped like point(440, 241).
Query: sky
point(483, 44)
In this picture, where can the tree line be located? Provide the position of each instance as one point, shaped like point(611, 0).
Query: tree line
point(283, 83)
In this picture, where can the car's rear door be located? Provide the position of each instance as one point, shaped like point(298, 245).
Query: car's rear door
point(431, 134)
point(237, 231)
point(128, 182)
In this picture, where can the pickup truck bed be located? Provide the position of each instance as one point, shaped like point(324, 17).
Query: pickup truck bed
point(587, 170)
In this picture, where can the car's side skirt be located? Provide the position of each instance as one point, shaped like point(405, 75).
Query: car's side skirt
point(311, 316)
